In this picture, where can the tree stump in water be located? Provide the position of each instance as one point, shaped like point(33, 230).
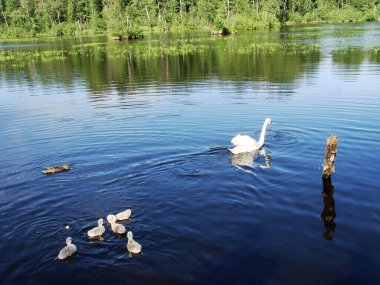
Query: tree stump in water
point(330, 156)
point(328, 214)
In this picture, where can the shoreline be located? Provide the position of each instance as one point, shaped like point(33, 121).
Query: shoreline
point(209, 30)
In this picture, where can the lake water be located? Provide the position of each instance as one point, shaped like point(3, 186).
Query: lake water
point(147, 124)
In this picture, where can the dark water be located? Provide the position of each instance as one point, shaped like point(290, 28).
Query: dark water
point(146, 125)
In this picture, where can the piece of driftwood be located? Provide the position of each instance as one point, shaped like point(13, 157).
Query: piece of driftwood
point(330, 156)
point(55, 169)
point(129, 37)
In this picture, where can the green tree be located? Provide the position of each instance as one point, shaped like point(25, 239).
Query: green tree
point(113, 13)
point(70, 11)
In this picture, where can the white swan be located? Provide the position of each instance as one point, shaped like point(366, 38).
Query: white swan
point(133, 246)
point(68, 250)
point(97, 231)
point(248, 144)
point(116, 228)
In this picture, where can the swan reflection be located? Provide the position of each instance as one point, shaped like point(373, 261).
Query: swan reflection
point(248, 159)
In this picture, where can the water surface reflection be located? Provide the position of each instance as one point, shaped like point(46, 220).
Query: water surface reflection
point(328, 214)
point(247, 159)
point(138, 119)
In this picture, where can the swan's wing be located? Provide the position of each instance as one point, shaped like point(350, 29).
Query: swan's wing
point(98, 231)
point(240, 140)
point(133, 246)
point(120, 229)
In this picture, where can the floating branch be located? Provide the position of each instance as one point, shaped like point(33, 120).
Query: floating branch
point(330, 156)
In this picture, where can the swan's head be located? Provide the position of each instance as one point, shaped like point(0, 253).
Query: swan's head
point(69, 240)
point(111, 218)
point(100, 222)
point(129, 235)
point(268, 121)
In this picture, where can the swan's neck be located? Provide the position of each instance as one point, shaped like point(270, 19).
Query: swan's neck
point(263, 131)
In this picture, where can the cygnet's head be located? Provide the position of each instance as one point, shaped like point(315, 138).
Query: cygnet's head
point(69, 240)
point(269, 121)
point(111, 218)
point(100, 222)
point(129, 235)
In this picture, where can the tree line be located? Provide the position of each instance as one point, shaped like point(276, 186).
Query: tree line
point(21, 18)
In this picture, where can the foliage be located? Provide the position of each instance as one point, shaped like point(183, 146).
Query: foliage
point(134, 33)
point(26, 18)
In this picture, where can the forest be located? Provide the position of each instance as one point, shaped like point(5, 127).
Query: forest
point(29, 18)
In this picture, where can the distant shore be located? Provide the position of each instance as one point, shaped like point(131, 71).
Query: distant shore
point(131, 19)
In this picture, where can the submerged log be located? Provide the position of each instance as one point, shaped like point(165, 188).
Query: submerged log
point(129, 37)
point(55, 169)
point(132, 37)
point(222, 32)
point(117, 38)
point(330, 156)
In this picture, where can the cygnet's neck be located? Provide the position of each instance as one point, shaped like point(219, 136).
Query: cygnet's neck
point(263, 131)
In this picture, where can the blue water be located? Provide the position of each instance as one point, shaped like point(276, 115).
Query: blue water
point(160, 147)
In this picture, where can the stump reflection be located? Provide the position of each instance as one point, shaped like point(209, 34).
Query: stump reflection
point(328, 214)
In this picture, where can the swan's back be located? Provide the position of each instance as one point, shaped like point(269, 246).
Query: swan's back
point(124, 215)
point(132, 245)
point(117, 228)
point(98, 231)
point(245, 140)
point(68, 250)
